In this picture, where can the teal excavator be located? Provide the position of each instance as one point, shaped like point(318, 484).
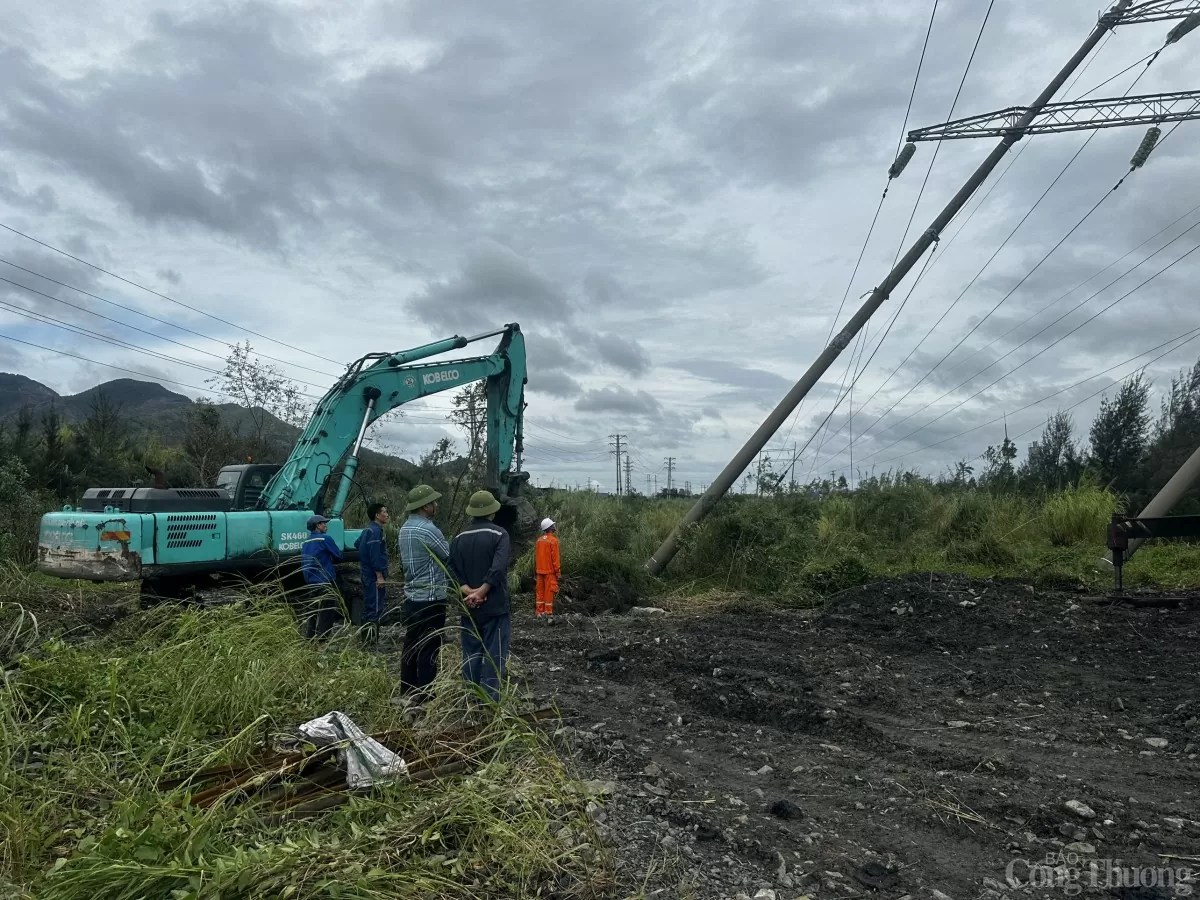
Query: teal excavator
point(176, 540)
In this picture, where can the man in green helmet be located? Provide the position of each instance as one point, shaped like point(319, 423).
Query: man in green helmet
point(425, 555)
point(479, 557)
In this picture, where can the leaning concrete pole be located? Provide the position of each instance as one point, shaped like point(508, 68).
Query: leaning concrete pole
point(778, 416)
point(1188, 475)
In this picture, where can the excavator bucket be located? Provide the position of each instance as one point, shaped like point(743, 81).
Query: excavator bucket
point(518, 517)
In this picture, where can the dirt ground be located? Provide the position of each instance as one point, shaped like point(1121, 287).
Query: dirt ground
point(921, 737)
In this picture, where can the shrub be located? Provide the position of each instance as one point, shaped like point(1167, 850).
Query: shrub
point(21, 511)
point(836, 573)
point(1077, 515)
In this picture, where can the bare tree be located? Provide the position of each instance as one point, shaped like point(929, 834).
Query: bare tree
point(262, 390)
point(470, 414)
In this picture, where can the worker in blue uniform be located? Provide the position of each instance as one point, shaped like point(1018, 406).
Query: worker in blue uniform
point(319, 556)
point(373, 567)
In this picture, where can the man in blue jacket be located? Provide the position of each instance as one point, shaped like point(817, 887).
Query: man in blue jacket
point(479, 557)
point(319, 555)
point(373, 567)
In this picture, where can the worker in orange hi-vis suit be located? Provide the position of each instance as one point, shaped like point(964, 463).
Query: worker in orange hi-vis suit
point(549, 570)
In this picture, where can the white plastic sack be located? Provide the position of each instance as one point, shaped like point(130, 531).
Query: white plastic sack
point(367, 761)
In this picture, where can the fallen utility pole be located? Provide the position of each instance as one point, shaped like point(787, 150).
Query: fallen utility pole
point(729, 475)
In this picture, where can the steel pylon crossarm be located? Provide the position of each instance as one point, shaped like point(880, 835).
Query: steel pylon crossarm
point(1074, 115)
point(1158, 11)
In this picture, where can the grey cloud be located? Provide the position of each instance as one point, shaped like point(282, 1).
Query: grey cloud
point(553, 383)
point(547, 349)
point(603, 289)
point(495, 286)
point(734, 374)
point(170, 276)
point(281, 140)
point(620, 352)
point(40, 200)
point(24, 266)
point(617, 399)
point(695, 179)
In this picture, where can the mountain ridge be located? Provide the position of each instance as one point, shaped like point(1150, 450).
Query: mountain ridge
point(147, 407)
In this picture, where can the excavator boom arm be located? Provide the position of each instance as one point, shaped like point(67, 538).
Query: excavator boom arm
point(378, 384)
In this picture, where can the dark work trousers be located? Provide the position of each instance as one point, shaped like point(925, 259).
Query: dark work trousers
point(374, 600)
point(424, 625)
point(321, 604)
point(485, 652)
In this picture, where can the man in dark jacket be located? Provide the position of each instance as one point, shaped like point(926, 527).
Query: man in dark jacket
point(373, 567)
point(319, 555)
point(479, 557)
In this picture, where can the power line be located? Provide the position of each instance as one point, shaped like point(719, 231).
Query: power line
point(950, 243)
point(899, 249)
point(1054, 343)
point(145, 315)
point(892, 173)
point(1029, 319)
point(1180, 341)
point(82, 330)
point(44, 319)
point(990, 312)
point(1011, 292)
point(924, 270)
point(978, 274)
point(953, 105)
point(163, 296)
point(15, 340)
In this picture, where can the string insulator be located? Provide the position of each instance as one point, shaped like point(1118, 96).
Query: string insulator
point(1144, 148)
point(902, 160)
point(1191, 23)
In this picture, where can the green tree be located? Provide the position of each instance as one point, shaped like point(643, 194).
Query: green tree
point(1054, 461)
point(999, 469)
point(209, 442)
point(1176, 434)
point(53, 468)
point(99, 449)
point(1120, 434)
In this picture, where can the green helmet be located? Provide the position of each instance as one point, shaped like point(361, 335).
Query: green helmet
point(421, 495)
point(482, 504)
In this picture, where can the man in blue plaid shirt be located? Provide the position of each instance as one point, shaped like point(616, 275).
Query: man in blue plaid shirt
point(425, 555)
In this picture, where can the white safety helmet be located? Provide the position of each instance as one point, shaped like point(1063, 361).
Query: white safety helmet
point(547, 524)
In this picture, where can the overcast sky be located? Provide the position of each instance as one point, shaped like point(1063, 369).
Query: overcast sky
point(669, 197)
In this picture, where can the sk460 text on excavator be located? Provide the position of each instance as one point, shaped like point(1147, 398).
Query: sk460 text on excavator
point(255, 519)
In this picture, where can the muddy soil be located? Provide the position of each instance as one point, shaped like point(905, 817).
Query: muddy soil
point(922, 737)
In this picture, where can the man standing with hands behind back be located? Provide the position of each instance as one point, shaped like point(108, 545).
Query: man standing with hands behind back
point(479, 557)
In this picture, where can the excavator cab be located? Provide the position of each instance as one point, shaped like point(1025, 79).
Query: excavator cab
point(245, 483)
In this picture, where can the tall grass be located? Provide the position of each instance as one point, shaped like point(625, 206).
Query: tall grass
point(87, 732)
point(1077, 514)
point(798, 546)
